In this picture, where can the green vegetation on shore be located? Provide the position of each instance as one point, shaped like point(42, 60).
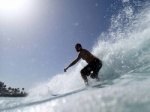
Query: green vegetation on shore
point(11, 92)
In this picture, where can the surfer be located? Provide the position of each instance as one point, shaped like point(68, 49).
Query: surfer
point(93, 67)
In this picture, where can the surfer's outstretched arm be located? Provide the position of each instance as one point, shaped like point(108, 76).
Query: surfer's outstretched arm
point(73, 63)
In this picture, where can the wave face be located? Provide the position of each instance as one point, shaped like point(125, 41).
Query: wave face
point(126, 45)
point(125, 52)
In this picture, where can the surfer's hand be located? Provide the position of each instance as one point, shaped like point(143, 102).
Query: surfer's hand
point(65, 70)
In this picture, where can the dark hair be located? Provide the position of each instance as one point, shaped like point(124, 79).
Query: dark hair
point(78, 44)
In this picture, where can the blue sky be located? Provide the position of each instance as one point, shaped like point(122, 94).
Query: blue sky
point(37, 46)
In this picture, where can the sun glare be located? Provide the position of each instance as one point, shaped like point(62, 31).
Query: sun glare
point(11, 6)
point(14, 8)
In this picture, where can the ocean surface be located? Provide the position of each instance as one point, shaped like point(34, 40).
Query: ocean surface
point(125, 76)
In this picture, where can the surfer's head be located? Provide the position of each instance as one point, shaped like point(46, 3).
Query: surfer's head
point(78, 47)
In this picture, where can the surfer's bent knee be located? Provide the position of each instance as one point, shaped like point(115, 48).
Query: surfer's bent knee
point(82, 72)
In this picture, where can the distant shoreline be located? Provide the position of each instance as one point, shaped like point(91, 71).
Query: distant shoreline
point(14, 95)
point(11, 92)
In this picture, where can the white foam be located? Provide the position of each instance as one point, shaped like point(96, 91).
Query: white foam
point(124, 50)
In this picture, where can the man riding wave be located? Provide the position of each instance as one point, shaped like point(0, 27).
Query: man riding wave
point(93, 67)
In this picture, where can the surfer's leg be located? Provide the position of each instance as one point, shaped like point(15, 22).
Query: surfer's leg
point(84, 74)
point(94, 75)
point(84, 78)
point(96, 67)
point(97, 78)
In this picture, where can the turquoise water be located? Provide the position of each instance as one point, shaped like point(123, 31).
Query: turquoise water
point(125, 52)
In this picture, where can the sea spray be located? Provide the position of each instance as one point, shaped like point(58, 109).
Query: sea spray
point(125, 52)
point(127, 46)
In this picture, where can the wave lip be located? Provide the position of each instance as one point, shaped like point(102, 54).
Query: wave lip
point(125, 46)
